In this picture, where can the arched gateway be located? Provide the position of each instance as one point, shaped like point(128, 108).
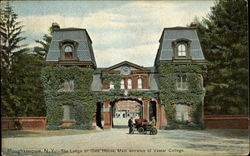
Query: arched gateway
point(117, 112)
point(79, 94)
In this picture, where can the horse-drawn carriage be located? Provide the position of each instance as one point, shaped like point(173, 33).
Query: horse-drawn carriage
point(143, 126)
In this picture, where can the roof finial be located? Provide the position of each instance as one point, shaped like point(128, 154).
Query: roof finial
point(193, 24)
point(55, 26)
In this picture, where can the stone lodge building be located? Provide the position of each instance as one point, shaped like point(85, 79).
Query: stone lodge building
point(179, 46)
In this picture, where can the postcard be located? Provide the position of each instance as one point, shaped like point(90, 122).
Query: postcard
point(129, 78)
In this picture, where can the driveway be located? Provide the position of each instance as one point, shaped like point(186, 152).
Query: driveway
point(118, 142)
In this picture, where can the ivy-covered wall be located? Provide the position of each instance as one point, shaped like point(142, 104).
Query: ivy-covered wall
point(82, 99)
point(169, 95)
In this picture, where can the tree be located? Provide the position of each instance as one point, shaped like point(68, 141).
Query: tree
point(11, 48)
point(10, 31)
point(43, 49)
point(223, 36)
point(27, 86)
point(21, 89)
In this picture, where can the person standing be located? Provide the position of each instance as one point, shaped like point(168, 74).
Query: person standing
point(153, 122)
point(130, 125)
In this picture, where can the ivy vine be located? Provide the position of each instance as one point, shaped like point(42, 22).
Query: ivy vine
point(169, 95)
point(84, 100)
point(81, 98)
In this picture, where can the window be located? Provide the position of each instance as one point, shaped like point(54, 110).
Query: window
point(68, 49)
point(68, 52)
point(68, 113)
point(122, 84)
point(129, 83)
point(181, 112)
point(181, 83)
point(139, 83)
point(67, 86)
point(111, 85)
point(181, 50)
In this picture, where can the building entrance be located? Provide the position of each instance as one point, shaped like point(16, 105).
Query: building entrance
point(116, 113)
point(123, 109)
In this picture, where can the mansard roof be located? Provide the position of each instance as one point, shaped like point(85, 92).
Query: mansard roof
point(84, 52)
point(165, 51)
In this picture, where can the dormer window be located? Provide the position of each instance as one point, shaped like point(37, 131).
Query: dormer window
point(68, 52)
point(181, 50)
point(68, 49)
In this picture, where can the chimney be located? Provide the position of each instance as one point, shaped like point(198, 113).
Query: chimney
point(55, 26)
point(193, 25)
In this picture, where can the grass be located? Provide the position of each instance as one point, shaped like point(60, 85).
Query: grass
point(230, 133)
point(43, 133)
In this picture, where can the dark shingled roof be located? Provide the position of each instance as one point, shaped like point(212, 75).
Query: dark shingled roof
point(169, 35)
point(84, 51)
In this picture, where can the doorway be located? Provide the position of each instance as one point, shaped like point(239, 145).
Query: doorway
point(99, 115)
point(152, 110)
point(123, 109)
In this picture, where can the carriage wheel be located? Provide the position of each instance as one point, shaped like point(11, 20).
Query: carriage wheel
point(153, 131)
point(140, 130)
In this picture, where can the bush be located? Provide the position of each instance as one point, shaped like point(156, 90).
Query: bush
point(53, 127)
point(183, 125)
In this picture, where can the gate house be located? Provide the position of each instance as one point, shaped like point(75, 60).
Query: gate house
point(178, 46)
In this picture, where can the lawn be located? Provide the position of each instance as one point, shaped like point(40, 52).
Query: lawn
point(43, 133)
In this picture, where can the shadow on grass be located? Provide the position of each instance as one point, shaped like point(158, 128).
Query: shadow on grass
point(16, 133)
point(228, 133)
point(213, 147)
point(43, 133)
point(120, 126)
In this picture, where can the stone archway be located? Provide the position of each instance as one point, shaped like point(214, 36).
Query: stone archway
point(122, 109)
point(158, 111)
point(103, 118)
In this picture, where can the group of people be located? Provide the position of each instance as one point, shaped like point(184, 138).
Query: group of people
point(131, 124)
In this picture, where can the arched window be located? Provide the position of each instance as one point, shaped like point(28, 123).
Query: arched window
point(68, 49)
point(139, 83)
point(122, 84)
point(68, 52)
point(129, 83)
point(111, 85)
point(181, 50)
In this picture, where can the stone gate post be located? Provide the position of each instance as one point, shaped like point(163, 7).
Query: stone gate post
point(107, 115)
point(145, 109)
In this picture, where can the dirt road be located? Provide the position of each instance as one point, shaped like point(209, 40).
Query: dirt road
point(119, 142)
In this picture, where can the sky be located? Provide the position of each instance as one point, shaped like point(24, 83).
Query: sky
point(119, 30)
